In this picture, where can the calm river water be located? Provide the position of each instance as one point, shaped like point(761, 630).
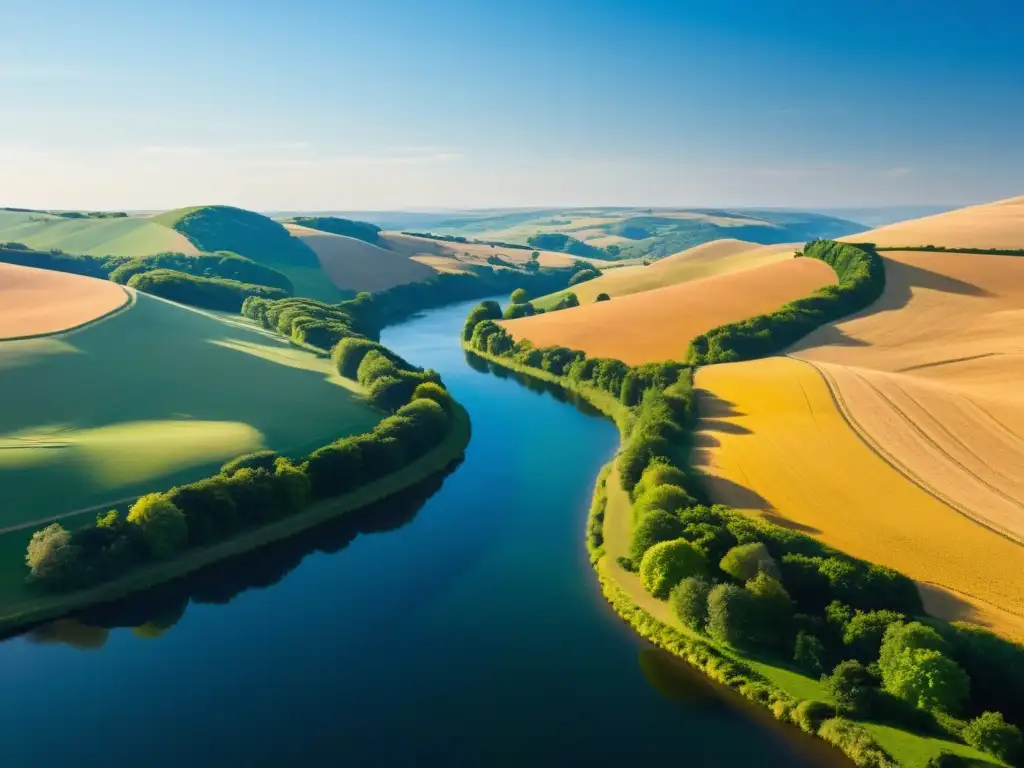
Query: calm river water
point(458, 628)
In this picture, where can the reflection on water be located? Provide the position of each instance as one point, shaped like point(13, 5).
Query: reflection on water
point(539, 386)
point(152, 613)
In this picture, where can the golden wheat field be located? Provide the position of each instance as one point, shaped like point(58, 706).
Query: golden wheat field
point(359, 266)
point(992, 225)
point(774, 443)
point(39, 301)
point(658, 325)
point(719, 257)
point(932, 376)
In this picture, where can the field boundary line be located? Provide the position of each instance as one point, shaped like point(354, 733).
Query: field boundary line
point(875, 447)
point(128, 303)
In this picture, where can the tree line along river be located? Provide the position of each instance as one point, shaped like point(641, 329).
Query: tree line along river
point(460, 624)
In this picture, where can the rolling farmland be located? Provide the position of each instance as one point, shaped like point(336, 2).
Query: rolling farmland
point(718, 257)
point(355, 265)
point(37, 301)
point(658, 324)
point(774, 443)
point(932, 374)
point(128, 236)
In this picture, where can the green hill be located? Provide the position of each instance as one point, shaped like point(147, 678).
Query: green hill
point(90, 235)
point(225, 228)
point(154, 396)
point(361, 230)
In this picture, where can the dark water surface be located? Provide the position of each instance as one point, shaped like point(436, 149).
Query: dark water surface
point(471, 632)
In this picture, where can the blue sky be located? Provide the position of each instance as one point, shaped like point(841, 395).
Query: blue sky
point(320, 104)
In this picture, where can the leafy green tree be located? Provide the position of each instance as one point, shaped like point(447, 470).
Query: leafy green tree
point(689, 602)
point(668, 563)
point(568, 301)
point(659, 472)
point(162, 524)
point(927, 679)
point(745, 561)
point(583, 276)
point(774, 610)
point(864, 632)
point(512, 311)
point(486, 310)
point(732, 615)
point(520, 296)
point(853, 688)
point(990, 733)
point(535, 256)
point(654, 527)
point(603, 297)
point(52, 559)
point(809, 652)
point(670, 498)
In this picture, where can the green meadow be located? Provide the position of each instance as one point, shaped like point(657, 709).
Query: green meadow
point(157, 395)
point(93, 237)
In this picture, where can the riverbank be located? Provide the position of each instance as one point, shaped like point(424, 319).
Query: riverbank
point(790, 694)
point(17, 617)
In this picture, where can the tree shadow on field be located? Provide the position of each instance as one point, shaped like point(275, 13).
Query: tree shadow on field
point(784, 522)
point(827, 336)
point(721, 490)
point(711, 406)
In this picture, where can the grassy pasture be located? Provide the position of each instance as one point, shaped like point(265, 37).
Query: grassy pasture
point(132, 236)
point(154, 396)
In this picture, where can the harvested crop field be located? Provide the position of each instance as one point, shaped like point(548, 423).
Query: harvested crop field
point(354, 265)
point(39, 301)
point(719, 257)
point(993, 225)
point(932, 375)
point(658, 325)
point(125, 236)
point(774, 443)
point(156, 395)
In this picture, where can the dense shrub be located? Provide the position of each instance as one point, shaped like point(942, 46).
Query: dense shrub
point(431, 390)
point(810, 714)
point(512, 311)
point(659, 472)
point(863, 633)
point(583, 276)
point(229, 266)
point(520, 296)
point(207, 292)
point(349, 353)
point(162, 524)
point(361, 230)
point(335, 468)
point(668, 563)
point(774, 611)
point(809, 652)
point(990, 733)
point(257, 460)
point(603, 297)
point(566, 301)
point(670, 498)
point(654, 527)
point(488, 310)
point(209, 508)
point(745, 561)
point(855, 741)
point(689, 602)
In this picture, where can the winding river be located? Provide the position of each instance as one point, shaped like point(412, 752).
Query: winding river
point(470, 633)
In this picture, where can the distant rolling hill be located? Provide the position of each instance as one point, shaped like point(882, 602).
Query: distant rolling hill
point(649, 233)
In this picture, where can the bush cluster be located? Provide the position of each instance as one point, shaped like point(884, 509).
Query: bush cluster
point(861, 281)
point(229, 266)
point(208, 292)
